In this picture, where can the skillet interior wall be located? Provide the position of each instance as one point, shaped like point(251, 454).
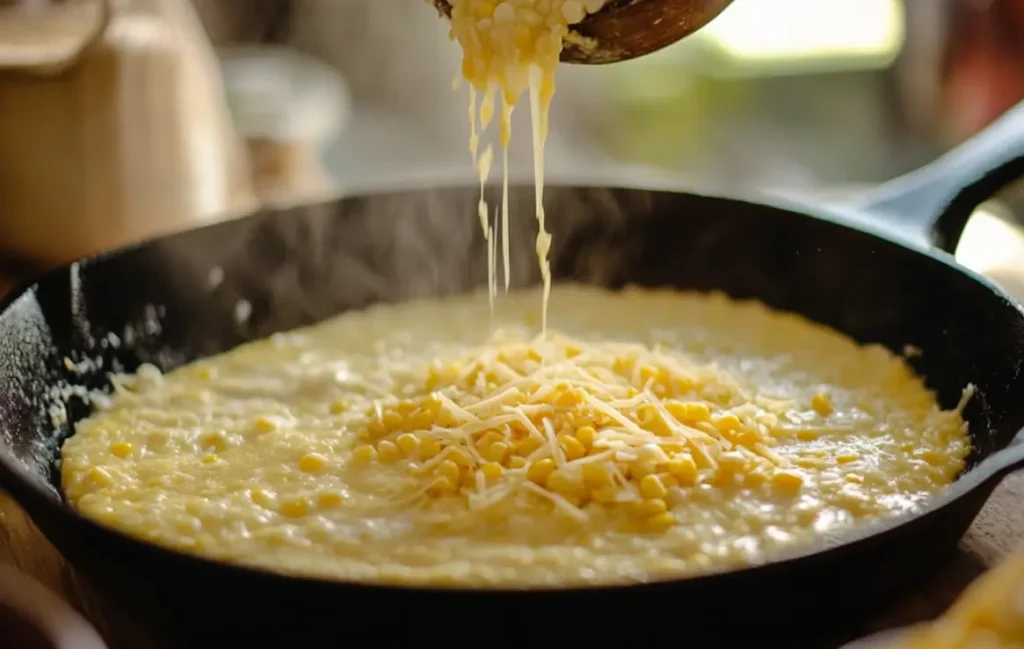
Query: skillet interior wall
point(303, 265)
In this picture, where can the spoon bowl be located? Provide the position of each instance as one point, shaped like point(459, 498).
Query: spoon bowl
point(627, 29)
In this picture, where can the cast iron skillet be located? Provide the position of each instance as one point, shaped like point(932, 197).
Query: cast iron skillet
point(178, 298)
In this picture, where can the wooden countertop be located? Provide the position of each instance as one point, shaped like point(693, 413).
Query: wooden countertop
point(999, 528)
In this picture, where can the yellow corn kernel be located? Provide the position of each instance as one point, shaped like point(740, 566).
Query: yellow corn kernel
point(540, 470)
point(312, 462)
point(572, 447)
point(264, 425)
point(516, 462)
point(732, 461)
point(488, 438)
point(605, 495)
point(692, 412)
point(263, 498)
point(527, 445)
point(467, 479)
point(595, 475)
point(561, 483)
point(429, 447)
point(651, 507)
point(450, 470)
point(459, 457)
point(209, 458)
point(586, 436)
point(496, 452)
point(652, 487)
point(365, 453)
point(388, 450)
point(755, 478)
point(329, 500)
point(340, 406)
point(661, 521)
point(492, 470)
point(294, 508)
point(215, 441)
point(407, 443)
point(727, 423)
point(807, 434)
point(444, 485)
point(789, 481)
point(567, 398)
point(846, 457)
point(822, 404)
point(121, 449)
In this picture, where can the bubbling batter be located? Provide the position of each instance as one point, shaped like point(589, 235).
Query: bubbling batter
point(654, 434)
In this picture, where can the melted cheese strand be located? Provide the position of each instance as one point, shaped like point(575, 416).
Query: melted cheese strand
point(538, 108)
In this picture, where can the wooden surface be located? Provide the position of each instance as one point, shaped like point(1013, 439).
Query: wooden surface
point(996, 531)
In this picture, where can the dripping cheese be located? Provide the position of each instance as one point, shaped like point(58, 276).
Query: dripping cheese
point(510, 48)
point(652, 434)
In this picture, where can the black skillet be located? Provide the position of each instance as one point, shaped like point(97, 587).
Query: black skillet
point(204, 291)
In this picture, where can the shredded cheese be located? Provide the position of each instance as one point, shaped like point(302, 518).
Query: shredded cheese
point(648, 426)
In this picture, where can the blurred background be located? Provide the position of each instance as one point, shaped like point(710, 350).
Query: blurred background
point(178, 113)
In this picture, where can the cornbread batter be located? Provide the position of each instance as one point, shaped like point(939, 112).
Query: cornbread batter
point(653, 434)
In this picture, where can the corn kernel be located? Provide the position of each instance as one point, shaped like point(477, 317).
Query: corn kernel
point(604, 494)
point(732, 461)
point(652, 487)
point(661, 521)
point(407, 443)
point(312, 462)
point(586, 435)
point(561, 483)
point(429, 447)
point(516, 462)
point(443, 485)
point(846, 457)
point(210, 458)
point(450, 470)
point(691, 412)
point(215, 441)
point(528, 445)
point(651, 507)
point(459, 457)
point(595, 475)
point(572, 447)
point(263, 498)
point(329, 500)
point(727, 423)
point(822, 404)
point(495, 452)
point(340, 406)
point(264, 425)
point(492, 470)
point(388, 450)
point(365, 453)
point(488, 438)
point(540, 470)
point(294, 508)
point(787, 480)
point(121, 449)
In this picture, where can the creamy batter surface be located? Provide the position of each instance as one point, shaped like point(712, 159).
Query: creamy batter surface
point(648, 434)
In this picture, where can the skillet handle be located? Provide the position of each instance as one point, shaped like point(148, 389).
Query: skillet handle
point(933, 204)
point(54, 619)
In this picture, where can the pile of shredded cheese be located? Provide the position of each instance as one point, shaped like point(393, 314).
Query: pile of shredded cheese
point(609, 425)
point(511, 47)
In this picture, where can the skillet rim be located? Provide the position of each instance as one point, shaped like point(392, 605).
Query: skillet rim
point(17, 480)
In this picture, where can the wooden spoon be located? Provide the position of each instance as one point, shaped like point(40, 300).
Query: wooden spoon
point(627, 29)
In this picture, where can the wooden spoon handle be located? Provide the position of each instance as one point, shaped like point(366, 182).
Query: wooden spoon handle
point(48, 614)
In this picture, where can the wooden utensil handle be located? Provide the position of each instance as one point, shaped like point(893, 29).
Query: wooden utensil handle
point(53, 618)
